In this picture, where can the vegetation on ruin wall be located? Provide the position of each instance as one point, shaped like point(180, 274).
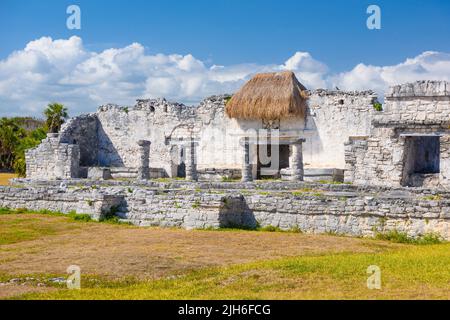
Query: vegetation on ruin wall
point(19, 134)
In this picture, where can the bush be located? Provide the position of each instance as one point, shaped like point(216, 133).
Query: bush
point(402, 237)
point(270, 229)
point(15, 140)
point(80, 216)
point(378, 106)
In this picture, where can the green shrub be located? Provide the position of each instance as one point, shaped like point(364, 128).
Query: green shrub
point(436, 197)
point(82, 217)
point(196, 204)
point(296, 229)
point(229, 179)
point(377, 106)
point(270, 229)
point(402, 237)
point(5, 210)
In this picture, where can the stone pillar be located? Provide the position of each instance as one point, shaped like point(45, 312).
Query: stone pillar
point(297, 161)
point(144, 160)
point(190, 161)
point(246, 165)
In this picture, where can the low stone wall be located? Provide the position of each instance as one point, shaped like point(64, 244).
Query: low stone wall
point(53, 159)
point(351, 215)
point(181, 209)
point(315, 208)
point(86, 201)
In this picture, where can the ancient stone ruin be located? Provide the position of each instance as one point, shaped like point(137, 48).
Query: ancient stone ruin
point(274, 153)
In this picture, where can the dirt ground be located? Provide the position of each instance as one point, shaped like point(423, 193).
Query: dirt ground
point(4, 177)
point(117, 251)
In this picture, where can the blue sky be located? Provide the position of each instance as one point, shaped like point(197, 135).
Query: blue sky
point(239, 31)
point(261, 34)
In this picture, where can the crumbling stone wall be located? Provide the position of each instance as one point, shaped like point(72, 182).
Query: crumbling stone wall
point(341, 209)
point(162, 123)
point(411, 110)
point(181, 209)
point(109, 137)
point(53, 159)
point(82, 131)
point(59, 199)
point(333, 117)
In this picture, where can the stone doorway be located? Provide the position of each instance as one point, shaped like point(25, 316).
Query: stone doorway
point(422, 161)
point(181, 167)
point(268, 157)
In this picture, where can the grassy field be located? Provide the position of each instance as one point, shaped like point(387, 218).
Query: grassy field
point(4, 177)
point(126, 262)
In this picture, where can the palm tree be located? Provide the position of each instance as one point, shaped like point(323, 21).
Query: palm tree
point(56, 113)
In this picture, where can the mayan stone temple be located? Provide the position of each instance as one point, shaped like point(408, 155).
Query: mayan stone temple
point(272, 154)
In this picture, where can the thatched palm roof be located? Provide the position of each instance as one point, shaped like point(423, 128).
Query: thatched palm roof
point(269, 96)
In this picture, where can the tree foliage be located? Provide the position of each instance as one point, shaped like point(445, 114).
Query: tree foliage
point(55, 115)
point(22, 133)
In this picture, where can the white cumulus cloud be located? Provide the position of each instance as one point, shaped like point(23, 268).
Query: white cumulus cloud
point(63, 70)
point(429, 65)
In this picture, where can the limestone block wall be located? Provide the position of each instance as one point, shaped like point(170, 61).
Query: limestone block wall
point(164, 124)
point(181, 209)
point(333, 117)
point(342, 209)
point(58, 200)
point(53, 159)
point(413, 109)
point(109, 137)
point(357, 216)
point(82, 131)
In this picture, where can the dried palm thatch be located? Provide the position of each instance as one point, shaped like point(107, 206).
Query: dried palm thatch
point(269, 96)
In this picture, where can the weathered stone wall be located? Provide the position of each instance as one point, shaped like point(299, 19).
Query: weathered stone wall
point(82, 131)
point(181, 209)
point(357, 216)
point(109, 137)
point(64, 200)
point(333, 117)
point(411, 110)
point(53, 159)
point(315, 208)
point(164, 124)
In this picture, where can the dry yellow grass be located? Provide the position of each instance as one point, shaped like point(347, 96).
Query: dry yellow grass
point(126, 262)
point(4, 177)
point(115, 251)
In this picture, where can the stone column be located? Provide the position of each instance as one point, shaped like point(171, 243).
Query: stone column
point(246, 165)
point(190, 161)
point(144, 160)
point(297, 161)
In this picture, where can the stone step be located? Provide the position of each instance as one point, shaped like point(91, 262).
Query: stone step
point(123, 172)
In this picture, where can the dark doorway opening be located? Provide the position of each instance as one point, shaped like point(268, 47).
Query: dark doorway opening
point(181, 168)
point(422, 159)
point(267, 166)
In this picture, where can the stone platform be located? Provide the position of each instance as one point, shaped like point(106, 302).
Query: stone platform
point(310, 207)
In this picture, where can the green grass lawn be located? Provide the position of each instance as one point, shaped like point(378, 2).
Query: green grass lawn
point(408, 271)
point(413, 272)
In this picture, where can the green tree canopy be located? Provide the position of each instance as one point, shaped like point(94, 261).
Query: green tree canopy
point(56, 114)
